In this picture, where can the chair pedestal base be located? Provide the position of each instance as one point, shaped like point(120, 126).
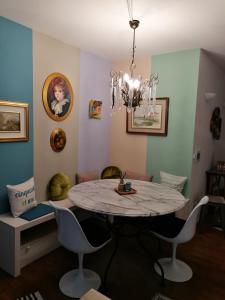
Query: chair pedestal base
point(177, 272)
point(75, 286)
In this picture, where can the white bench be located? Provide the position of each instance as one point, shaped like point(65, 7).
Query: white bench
point(22, 242)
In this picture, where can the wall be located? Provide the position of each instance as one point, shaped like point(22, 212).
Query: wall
point(94, 135)
point(15, 85)
point(178, 80)
point(50, 55)
point(211, 79)
point(129, 151)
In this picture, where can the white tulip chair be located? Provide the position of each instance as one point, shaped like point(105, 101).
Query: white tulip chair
point(177, 231)
point(81, 238)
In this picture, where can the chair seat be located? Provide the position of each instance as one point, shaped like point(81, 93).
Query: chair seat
point(96, 231)
point(216, 199)
point(168, 226)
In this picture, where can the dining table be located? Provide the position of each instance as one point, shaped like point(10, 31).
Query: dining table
point(148, 199)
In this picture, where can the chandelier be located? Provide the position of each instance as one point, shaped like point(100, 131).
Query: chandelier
point(130, 90)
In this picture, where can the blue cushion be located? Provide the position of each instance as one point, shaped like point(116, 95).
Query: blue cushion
point(36, 212)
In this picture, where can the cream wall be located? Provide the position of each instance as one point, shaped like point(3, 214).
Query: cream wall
point(129, 151)
point(50, 55)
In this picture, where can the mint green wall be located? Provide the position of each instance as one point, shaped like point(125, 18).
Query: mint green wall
point(178, 75)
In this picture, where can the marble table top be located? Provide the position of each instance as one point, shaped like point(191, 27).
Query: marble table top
point(151, 199)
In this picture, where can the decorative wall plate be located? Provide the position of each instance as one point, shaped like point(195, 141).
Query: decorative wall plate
point(216, 123)
point(58, 140)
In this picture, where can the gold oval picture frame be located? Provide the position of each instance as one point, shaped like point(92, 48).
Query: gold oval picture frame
point(58, 139)
point(57, 96)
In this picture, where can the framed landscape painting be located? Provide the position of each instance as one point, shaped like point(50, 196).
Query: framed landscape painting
point(157, 124)
point(14, 121)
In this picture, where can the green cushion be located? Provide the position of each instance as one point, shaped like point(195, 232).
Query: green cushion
point(59, 186)
point(111, 172)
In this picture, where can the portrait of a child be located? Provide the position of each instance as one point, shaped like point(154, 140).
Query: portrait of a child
point(57, 96)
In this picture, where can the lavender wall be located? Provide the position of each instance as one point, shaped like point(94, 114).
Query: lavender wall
point(94, 135)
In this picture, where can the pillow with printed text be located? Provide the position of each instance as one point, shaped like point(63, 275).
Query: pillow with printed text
point(21, 197)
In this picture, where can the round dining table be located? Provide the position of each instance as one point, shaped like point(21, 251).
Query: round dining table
point(150, 199)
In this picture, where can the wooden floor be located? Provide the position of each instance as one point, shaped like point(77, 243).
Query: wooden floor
point(131, 276)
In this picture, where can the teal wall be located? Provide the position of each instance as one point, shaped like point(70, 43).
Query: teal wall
point(16, 84)
point(178, 75)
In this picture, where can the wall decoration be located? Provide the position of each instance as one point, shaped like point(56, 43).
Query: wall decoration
point(152, 124)
point(58, 139)
point(95, 109)
point(14, 121)
point(216, 123)
point(57, 96)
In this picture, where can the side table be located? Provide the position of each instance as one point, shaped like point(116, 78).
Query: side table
point(215, 183)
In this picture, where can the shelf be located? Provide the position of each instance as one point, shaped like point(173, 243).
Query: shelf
point(22, 241)
point(38, 231)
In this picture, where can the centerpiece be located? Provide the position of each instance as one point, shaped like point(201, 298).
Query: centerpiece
point(124, 188)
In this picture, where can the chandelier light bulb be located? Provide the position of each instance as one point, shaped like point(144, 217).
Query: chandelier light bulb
point(136, 84)
point(126, 77)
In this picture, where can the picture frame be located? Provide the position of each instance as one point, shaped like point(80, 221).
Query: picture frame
point(14, 121)
point(95, 109)
point(58, 139)
point(57, 96)
point(138, 123)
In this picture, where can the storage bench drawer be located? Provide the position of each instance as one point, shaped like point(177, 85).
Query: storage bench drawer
point(36, 248)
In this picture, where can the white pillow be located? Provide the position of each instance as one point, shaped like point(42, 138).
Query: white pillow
point(21, 197)
point(172, 181)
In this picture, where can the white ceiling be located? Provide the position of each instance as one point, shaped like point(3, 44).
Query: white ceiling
point(101, 26)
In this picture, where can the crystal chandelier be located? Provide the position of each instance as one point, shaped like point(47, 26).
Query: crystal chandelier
point(130, 90)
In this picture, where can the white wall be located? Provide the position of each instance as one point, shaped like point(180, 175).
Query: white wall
point(211, 79)
point(50, 55)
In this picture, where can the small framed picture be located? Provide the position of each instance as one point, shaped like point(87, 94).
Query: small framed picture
point(153, 124)
point(57, 96)
point(14, 121)
point(95, 109)
point(58, 140)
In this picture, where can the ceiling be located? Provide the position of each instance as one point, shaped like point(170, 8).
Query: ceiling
point(101, 26)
